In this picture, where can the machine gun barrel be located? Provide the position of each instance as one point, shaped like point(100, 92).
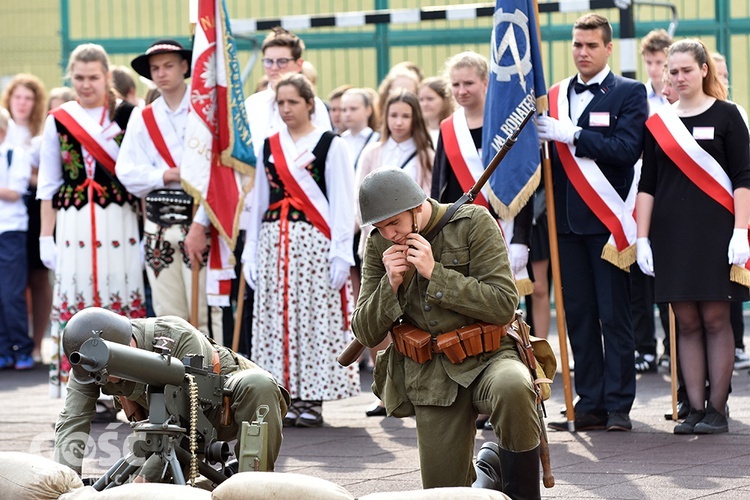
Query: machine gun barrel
point(103, 358)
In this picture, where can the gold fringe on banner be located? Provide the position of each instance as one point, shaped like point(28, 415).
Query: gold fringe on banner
point(740, 275)
point(623, 259)
point(525, 286)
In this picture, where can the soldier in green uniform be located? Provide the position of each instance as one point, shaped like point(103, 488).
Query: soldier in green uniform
point(460, 280)
point(251, 386)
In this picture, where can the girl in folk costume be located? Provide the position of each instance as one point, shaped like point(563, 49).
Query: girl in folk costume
point(693, 206)
point(436, 102)
point(24, 98)
point(298, 256)
point(89, 233)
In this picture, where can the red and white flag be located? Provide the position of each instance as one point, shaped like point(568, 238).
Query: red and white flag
point(218, 149)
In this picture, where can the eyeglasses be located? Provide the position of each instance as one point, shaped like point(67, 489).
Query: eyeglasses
point(281, 62)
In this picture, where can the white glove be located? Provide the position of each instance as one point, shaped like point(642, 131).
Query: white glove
point(519, 257)
point(739, 250)
point(48, 252)
point(340, 270)
point(555, 130)
point(249, 267)
point(644, 256)
point(622, 4)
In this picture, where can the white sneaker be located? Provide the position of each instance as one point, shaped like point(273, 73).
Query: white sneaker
point(741, 359)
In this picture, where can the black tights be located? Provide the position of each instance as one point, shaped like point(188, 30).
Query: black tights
point(710, 319)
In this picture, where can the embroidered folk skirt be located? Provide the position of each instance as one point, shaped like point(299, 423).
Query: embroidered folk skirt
point(299, 325)
point(118, 271)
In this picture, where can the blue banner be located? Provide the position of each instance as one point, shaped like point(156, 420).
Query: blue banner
point(516, 84)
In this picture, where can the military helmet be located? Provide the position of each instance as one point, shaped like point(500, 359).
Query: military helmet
point(81, 327)
point(387, 192)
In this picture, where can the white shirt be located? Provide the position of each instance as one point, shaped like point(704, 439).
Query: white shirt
point(578, 102)
point(339, 178)
point(655, 99)
point(355, 143)
point(19, 136)
point(395, 155)
point(265, 120)
point(13, 214)
point(140, 167)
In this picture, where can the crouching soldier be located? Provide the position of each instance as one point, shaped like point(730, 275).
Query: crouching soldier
point(444, 303)
point(250, 385)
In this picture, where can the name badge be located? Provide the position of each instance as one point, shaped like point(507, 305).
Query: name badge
point(304, 159)
point(111, 131)
point(599, 119)
point(703, 133)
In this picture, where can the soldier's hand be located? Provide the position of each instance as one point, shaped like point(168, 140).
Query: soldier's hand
point(396, 265)
point(419, 254)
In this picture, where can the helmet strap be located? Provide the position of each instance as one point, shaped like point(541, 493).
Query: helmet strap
point(414, 220)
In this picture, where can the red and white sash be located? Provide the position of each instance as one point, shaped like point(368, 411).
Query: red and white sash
point(299, 183)
point(596, 191)
point(162, 135)
point(462, 154)
point(697, 164)
point(98, 141)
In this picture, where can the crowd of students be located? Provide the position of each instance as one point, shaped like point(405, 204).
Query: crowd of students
point(82, 163)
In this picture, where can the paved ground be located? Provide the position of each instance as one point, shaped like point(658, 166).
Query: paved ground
point(379, 454)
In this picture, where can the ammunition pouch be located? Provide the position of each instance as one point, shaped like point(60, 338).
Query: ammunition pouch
point(457, 345)
point(169, 206)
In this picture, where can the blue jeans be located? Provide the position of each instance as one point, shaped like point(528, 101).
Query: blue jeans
point(14, 322)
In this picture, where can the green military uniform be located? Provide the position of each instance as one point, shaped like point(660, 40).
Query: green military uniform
point(251, 387)
point(471, 282)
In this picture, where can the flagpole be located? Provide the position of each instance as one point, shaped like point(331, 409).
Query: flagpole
point(555, 264)
point(240, 309)
point(557, 282)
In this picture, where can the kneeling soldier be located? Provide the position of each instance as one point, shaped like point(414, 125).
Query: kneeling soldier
point(250, 385)
point(437, 300)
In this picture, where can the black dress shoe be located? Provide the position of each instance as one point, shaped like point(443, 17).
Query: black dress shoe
point(482, 421)
point(619, 421)
point(683, 410)
point(583, 422)
point(376, 410)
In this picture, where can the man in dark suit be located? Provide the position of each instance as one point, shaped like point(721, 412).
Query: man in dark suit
point(597, 122)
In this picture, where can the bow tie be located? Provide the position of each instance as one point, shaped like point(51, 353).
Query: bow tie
point(580, 87)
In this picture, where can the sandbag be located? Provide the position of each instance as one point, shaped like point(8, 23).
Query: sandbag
point(23, 475)
point(438, 494)
point(278, 486)
point(140, 490)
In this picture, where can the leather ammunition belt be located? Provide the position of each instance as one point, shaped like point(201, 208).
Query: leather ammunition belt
point(169, 206)
point(457, 345)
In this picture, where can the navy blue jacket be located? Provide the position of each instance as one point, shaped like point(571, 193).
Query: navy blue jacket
point(615, 149)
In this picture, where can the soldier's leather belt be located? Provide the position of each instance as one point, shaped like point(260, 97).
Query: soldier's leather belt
point(457, 345)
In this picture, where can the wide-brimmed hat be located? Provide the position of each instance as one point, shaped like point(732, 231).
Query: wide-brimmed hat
point(140, 63)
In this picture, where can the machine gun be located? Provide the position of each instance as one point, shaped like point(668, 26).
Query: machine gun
point(182, 396)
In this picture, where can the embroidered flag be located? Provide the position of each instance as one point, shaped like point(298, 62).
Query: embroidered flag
point(516, 85)
point(218, 147)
